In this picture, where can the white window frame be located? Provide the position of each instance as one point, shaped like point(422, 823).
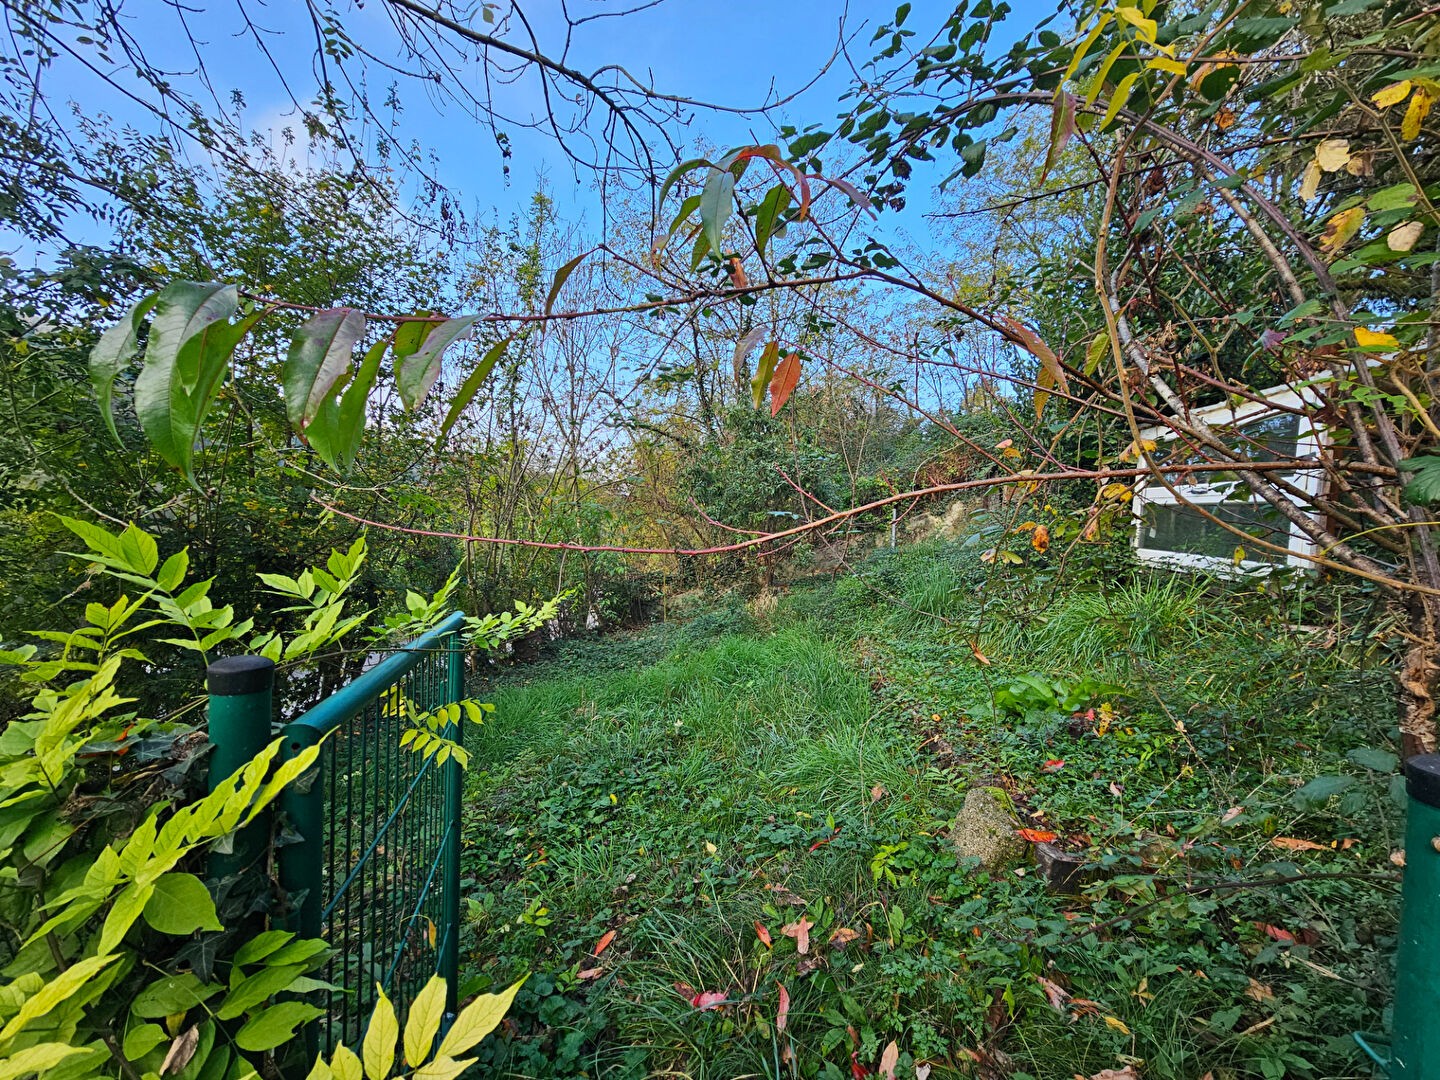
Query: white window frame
point(1311, 439)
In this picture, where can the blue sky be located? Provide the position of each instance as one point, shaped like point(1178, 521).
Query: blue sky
point(732, 52)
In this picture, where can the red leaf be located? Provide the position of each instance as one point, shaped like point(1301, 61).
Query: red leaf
point(783, 1012)
point(1037, 836)
point(858, 1071)
point(1053, 765)
point(763, 934)
point(1275, 932)
point(710, 999)
point(604, 942)
point(822, 842)
point(783, 382)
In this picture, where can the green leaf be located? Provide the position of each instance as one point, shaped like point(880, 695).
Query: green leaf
point(142, 1038)
point(1425, 487)
point(676, 173)
point(253, 989)
point(378, 1050)
point(262, 945)
point(338, 427)
point(475, 1021)
point(770, 216)
point(423, 1022)
point(764, 372)
point(173, 572)
point(172, 994)
point(115, 349)
point(40, 1058)
point(191, 339)
point(416, 374)
point(319, 357)
point(715, 200)
point(471, 386)
point(275, 1026)
point(1319, 791)
point(1368, 757)
point(181, 905)
point(561, 276)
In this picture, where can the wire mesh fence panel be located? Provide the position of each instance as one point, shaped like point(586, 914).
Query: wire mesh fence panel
point(372, 862)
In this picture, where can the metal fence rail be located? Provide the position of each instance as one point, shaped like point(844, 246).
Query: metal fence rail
point(374, 863)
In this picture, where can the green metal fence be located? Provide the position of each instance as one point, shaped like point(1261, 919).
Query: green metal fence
point(369, 848)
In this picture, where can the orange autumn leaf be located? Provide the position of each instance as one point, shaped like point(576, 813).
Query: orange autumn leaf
point(782, 1013)
point(800, 931)
point(763, 934)
point(783, 382)
point(1294, 843)
point(1037, 836)
point(1041, 540)
point(604, 942)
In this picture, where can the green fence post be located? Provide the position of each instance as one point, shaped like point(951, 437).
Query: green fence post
point(301, 861)
point(454, 786)
point(241, 690)
point(1415, 1050)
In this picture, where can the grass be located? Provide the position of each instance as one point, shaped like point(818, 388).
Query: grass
point(678, 786)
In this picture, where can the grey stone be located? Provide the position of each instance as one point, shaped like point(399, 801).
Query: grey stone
point(984, 830)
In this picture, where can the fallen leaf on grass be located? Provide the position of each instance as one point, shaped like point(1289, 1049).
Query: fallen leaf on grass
point(763, 934)
point(1398, 858)
point(1054, 765)
point(1118, 1024)
point(858, 1071)
point(1261, 1026)
point(843, 936)
point(825, 839)
point(1258, 991)
point(1231, 814)
point(922, 1072)
point(782, 1013)
point(1294, 843)
point(785, 896)
point(800, 931)
point(590, 973)
point(888, 1061)
point(604, 942)
point(1127, 1073)
point(1036, 836)
point(877, 793)
point(710, 999)
point(1276, 933)
point(1057, 994)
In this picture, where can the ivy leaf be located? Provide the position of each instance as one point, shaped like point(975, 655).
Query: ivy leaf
point(416, 373)
point(319, 358)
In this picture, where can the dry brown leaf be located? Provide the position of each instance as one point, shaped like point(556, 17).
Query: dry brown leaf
point(1231, 814)
point(1261, 1026)
point(604, 942)
point(590, 973)
point(1310, 182)
point(843, 936)
point(877, 793)
point(1294, 843)
point(1340, 228)
point(1403, 237)
point(181, 1051)
point(922, 1072)
point(763, 934)
point(782, 1013)
point(888, 1060)
point(1333, 154)
point(1127, 1073)
point(1398, 858)
point(800, 931)
point(1057, 994)
point(1258, 991)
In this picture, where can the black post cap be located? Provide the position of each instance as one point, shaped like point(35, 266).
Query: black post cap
point(1422, 779)
point(236, 675)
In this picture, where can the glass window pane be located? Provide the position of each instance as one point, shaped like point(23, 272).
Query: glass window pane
point(1182, 529)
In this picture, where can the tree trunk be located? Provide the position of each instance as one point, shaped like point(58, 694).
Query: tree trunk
point(1419, 676)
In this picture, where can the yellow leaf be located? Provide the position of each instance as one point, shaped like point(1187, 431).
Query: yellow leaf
point(475, 1021)
point(1118, 99)
point(1403, 237)
point(1134, 450)
point(1146, 27)
point(1118, 1024)
point(344, 1064)
point(1340, 228)
point(423, 1022)
point(1310, 182)
point(1238, 557)
point(378, 1050)
point(320, 1071)
point(1041, 540)
point(1420, 103)
point(1370, 339)
point(1333, 154)
point(1161, 63)
point(1392, 94)
point(444, 1068)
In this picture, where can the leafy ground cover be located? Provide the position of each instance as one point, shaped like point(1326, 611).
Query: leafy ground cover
point(723, 848)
